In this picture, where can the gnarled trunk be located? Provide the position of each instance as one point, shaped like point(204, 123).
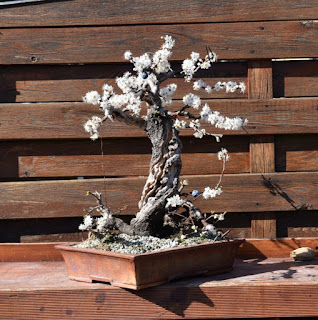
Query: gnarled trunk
point(164, 172)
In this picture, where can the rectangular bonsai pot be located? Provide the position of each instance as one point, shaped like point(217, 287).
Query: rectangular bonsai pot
point(149, 269)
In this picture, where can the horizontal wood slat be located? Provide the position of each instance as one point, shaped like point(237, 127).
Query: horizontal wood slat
point(29, 252)
point(10, 151)
point(296, 152)
point(295, 78)
point(302, 160)
point(242, 193)
point(251, 248)
point(74, 90)
point(124, 165)
point(287, 39)
point(269, 288)
point(40, 83)
point(65, 120)
point(301, 86)
point(259, 248)
point(98, 12)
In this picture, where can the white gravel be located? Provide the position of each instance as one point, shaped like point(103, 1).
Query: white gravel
point(124, 243)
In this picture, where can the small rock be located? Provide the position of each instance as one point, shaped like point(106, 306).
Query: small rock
point(303, 254)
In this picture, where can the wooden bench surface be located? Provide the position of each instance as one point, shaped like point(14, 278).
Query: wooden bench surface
point(268, 287)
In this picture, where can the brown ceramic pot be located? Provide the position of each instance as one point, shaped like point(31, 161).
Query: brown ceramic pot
point(149, 269)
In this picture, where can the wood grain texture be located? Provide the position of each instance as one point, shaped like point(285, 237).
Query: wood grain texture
point(252, 248)
point(124, 165)
point(296, 152)
point(270, 288)
point(262, 153)
point(40, 83)
point(76, 236)
point(98, 12)
point(10, 151)
point(260, 83)
point(252, 40)
point(261, 248)
point(74, 90)
point(56, 237)
point(242, 193)
point(262, 148)
point(301, 86)
point(29, 252)
point(65, 120)
point(302, 160)
point(295, 78)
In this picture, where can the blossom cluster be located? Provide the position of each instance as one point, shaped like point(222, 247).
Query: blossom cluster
point(211, 193)
point(92, 125)
point(158, 62)
point(223, 155)
point(174, 201)
point(192, 65)
point(166, 94)
point(229, 86)
point(87, 223)
point(226, 123)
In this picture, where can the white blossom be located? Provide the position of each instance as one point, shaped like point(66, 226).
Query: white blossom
point(197, 85)
point(208, 89)
point(102, 221)
point(192, 100)
point(127, 82)
point(128, 55)
point(169, 42)
point(180, 124)
point(199, 133)
point(92, 125)
point(166, 93)
point(188, 68)
point(142, 62)
point(229, 86)
point(219, 216)
point(223, 155)
point(211, 193)
point(195, 56)
point(92, 97)
point(174, 201)
point(210, 229)
point(215, 119)
point(87, 223)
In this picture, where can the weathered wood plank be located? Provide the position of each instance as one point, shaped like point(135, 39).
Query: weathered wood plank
point(242, 193)
point(98, 12)
point(65, 120)
point(301, 86)
point(74, 90)
point(10, 151)
point(296, 153)
point(76, 236)
point(252, 248)
point(297, 224)
point(124, 165)
point(40, 83)
point(56, 237)
point(262, 148)
point(285, 73)
point(29, 252)
point(271, 288)
point(252, 40)
point(302, 160)
point(262, 154)
point(260, 248)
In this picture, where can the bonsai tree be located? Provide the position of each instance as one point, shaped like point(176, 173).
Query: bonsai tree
point(163, 207)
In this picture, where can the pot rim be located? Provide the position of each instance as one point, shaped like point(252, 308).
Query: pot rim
point(70, 247)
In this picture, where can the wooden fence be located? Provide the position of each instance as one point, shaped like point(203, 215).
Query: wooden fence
point(53, 52)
